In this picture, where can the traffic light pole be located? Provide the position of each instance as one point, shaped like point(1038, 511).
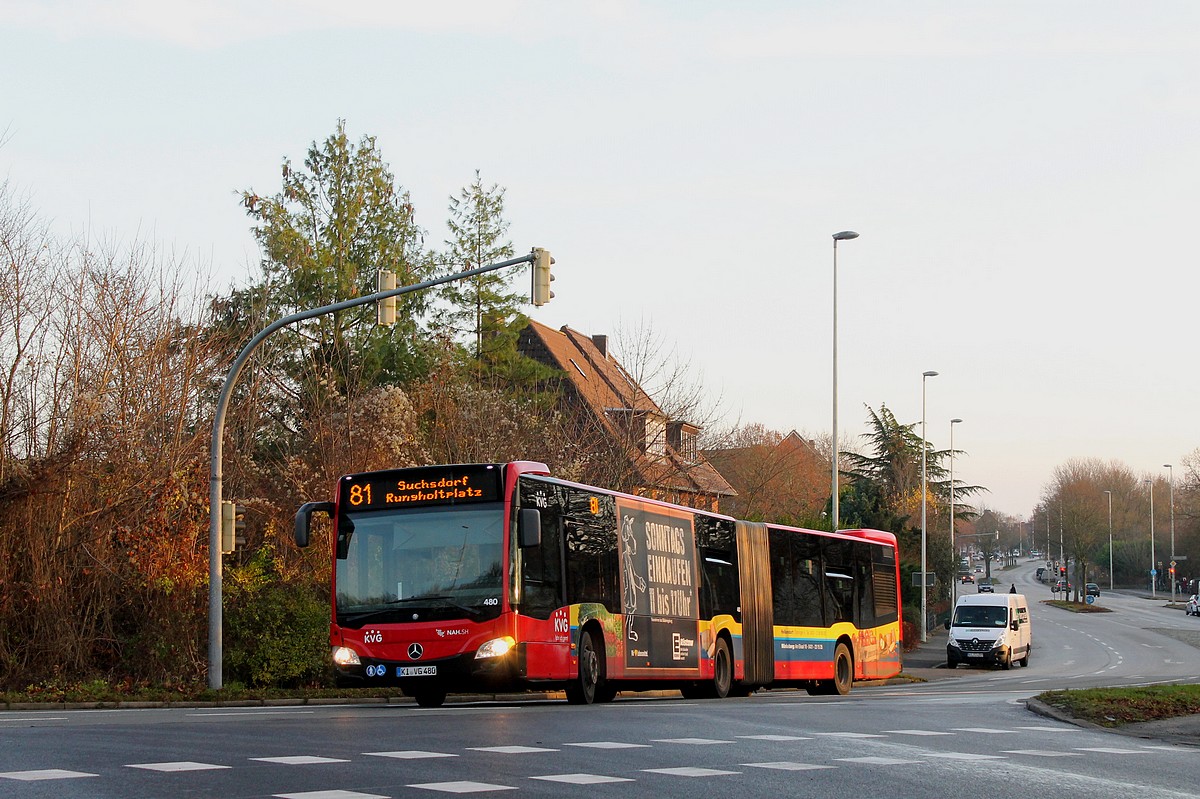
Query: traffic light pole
point(215, 654)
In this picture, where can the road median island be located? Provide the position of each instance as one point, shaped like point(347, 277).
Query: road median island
point(1117, 707)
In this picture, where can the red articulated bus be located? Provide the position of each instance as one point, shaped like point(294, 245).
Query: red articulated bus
point(486, 577)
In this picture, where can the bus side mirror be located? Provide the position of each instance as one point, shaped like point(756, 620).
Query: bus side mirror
point(304, 519)
point(529, 528)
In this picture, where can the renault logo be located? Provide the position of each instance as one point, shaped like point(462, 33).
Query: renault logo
point(415, 651)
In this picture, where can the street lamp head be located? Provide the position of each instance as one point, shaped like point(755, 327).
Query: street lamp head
point(1167, 466)
point(845, 235)
point(930, 373)
point(955, 421)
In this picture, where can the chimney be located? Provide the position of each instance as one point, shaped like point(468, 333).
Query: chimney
point(601, 343)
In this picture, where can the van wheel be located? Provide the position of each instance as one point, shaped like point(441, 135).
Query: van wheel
point(1006, 664)
point(1025, 660)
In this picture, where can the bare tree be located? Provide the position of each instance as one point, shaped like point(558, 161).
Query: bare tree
point(670, 378)
point(102, 511)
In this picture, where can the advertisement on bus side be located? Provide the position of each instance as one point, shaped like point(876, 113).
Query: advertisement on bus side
point(659, 586)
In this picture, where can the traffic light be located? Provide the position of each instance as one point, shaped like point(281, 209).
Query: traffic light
point(541, 276)
point(385, 309)
point(233, 523)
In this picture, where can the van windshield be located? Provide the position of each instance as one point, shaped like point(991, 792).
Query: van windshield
point(980, 616)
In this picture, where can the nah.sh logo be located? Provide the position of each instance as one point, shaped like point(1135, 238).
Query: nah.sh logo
point(444, 633)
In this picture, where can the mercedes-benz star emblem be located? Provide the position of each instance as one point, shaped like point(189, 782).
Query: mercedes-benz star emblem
point(415, 651)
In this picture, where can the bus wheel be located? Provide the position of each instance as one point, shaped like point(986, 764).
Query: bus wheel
point(843, 671)
point(722, 669)
point(430, 698)
point(582, 690)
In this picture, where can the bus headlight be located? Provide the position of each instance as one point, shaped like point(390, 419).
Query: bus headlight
point(345, 656)
point(495, 648)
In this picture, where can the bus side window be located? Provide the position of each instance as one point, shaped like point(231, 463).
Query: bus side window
point(839, 581)
point(807, 549)
point(593, 569)
point(541, 566)
point(865, 586)
point(782, 577)
point(884, 580)
point(720, 591)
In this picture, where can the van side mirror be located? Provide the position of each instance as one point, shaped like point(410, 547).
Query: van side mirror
point(529, 528)
point(1015, 625)
point(304, 519)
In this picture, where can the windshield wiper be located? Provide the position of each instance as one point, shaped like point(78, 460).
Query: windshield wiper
point(446, 599)
point(363, 615)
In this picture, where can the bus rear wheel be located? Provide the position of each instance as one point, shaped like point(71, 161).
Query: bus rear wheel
point(843, 675)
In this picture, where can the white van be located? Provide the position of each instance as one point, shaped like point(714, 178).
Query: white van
point(989, 628)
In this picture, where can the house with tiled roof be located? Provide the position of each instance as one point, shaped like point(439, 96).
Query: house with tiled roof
point(777, 478)
point(660, 457)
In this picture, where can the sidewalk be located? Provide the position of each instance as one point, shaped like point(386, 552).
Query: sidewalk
point(928, 660)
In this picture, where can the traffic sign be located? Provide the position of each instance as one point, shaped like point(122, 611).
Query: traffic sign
point(1154, 572)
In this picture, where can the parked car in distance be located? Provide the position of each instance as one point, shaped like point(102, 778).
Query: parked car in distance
point(1091, 589)
point(1193, 606)
point(986, 588)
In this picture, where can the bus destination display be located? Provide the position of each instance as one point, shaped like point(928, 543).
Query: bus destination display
point(435, 485)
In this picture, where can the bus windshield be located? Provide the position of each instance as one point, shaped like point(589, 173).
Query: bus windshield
point(420, 564)
point(981, 616)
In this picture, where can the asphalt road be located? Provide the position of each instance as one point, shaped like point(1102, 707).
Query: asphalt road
point(967, 733)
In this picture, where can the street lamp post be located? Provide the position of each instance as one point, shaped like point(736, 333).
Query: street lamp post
point(1171, 471)
point(924, 573)
point(1110, 552)
point(1153, 561)
point(1048, 535)
point(845, 235)
point(953, 549)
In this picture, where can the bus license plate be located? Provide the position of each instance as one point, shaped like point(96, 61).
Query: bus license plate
point(416, 671)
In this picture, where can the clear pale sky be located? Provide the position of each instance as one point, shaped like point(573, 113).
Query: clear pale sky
point(1024, 177)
